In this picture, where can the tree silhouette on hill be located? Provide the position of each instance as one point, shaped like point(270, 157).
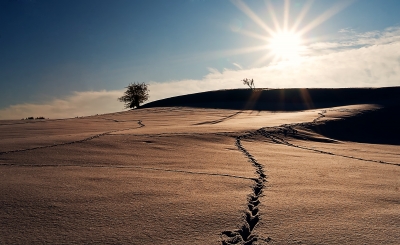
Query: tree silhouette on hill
point(135, 94)
point(249, 82)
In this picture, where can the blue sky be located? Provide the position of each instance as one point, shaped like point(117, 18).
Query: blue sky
point(69, 58)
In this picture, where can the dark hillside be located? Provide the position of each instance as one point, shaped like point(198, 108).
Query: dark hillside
point(381, 126)
point(282, 99)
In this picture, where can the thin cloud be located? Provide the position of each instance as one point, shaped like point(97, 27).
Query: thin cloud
point(237, 65)
point(351, 39)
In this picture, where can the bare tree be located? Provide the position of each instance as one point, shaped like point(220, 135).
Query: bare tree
point(249, 82)
point(135, 94)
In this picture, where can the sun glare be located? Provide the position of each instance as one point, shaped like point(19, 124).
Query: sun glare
point(285, 45)
point(285, 40)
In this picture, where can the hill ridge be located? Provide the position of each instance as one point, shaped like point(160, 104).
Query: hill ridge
point(291, 99)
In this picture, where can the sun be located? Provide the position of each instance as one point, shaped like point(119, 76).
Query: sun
point(283, 37)
point(285, 45)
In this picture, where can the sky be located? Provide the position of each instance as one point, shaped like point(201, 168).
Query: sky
point(68, 58)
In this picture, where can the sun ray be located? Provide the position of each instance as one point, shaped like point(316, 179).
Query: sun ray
point(245, 9)
point(252, 101)
point(306, 98)
point(255, 35)
point(286, 15)
point(271, 12)
point(246, 50)
point(302, 14)
point(325, 16)
point(221, 53)
point(262, 59)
